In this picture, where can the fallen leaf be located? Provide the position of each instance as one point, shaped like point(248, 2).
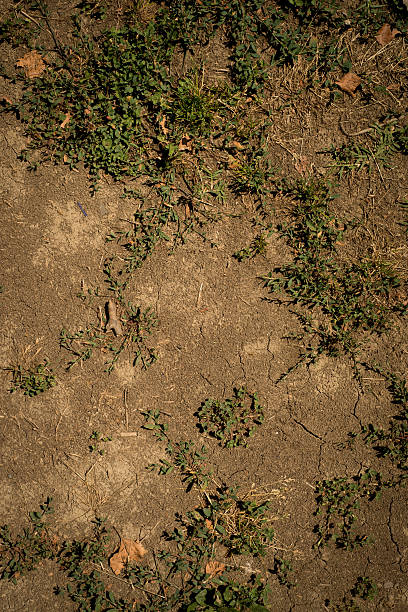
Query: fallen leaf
point(349, 83)
point(386, 35)
point(301, 165)
point(213, 568)
point(162, 124)
point(209, 525)
point(129, 550)
point(6, 100)
point(236, 145)
point(32, 64)
point(66, 120)
point(185, 143)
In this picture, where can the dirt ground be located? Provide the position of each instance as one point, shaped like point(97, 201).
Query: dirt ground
point(216, 331)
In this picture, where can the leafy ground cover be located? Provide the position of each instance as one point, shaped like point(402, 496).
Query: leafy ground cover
point(207, 212)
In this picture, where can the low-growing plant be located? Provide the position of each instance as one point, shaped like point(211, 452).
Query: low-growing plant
point(32, 381)
point(232, 421)
point(183, 456)
point(344, 300)
point(391, 442)
point(138, 324)
point(283, 570)
point(22, 553)
point(187, 575)
point(257, 247)
point(364, 588)
point(387, 138)
point(338, 501)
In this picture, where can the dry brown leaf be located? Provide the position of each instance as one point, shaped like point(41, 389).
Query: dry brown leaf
point(349, 83)
point(129, 550)
point(213, 568)
point(162, 124)
point(302, 165)
point(32, 64)
point(66, 120)
point(386, 35)
point(185, 143)
point(236, 145)
point(209, 525)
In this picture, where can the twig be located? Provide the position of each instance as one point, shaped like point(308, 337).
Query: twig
point(199, 296)
point(366, 130)
point(125, 394)
point(31, 18)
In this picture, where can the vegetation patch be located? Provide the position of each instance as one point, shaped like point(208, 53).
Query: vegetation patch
point(32, 381)
point(232, 421)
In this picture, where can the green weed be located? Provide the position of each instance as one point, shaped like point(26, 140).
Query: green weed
point(96, 439)
point(257, 247)
point(364, 588)
point(186, 575)
point(338, 501)
point(23, 553)
point(138, 324)
point(183, 456)
point(391, 442)
point(231, 421)
point(345, 299)
point(32, 381)
point(387, 139)
point(283, 570)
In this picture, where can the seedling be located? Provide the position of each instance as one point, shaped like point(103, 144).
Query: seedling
point(97, 439)
point(183, 456)
point(32, 381)
point(257, 247)
point(282, 570)
point(364, 588)
point(232, 421)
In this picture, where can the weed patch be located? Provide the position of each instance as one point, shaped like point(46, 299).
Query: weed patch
point(32, 381)
point(138, 324)
point(345, 299)
point(391, 442)
point(232, 421)
point(339, 500)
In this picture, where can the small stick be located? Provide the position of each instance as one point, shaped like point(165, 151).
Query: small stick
point(113, 321)
point(199, 296)
point(125, 393)
point(129, 434)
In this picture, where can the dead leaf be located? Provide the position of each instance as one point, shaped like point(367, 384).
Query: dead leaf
point(213, 568)
point(66, 120)
point(236, 145)
point(162, 124)
point(185, 143)
point(32, 64)
point(301, 165)
point(209, 525)
point(6, 100)
point(349, 83)
point(386, 35)
point(129, 550)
